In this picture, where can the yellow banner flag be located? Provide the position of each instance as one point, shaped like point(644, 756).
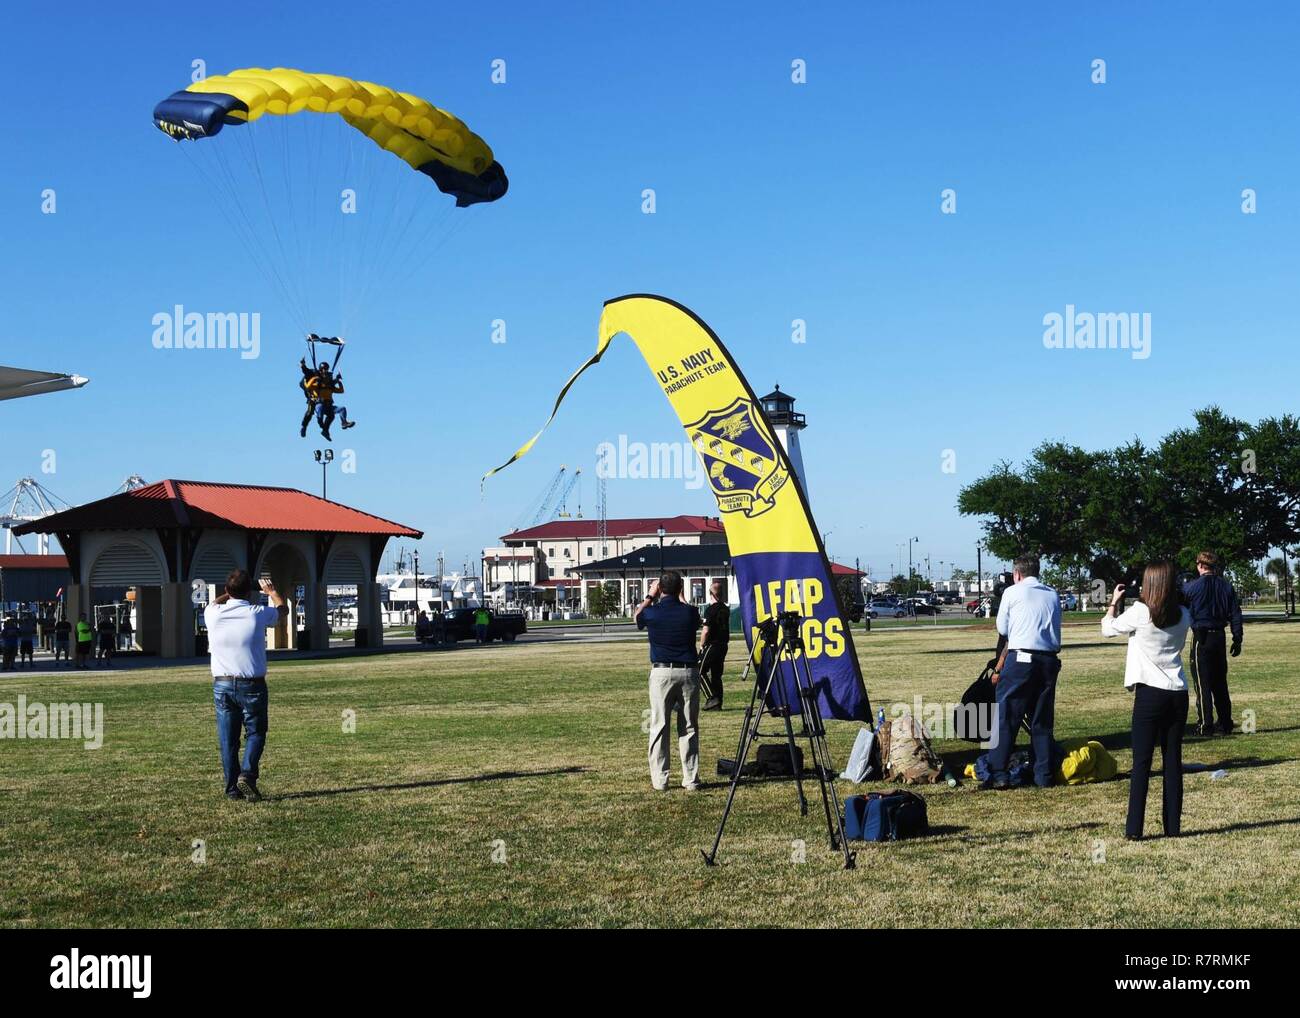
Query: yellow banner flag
point(776, 550)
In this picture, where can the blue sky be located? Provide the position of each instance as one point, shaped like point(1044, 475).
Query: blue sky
point(775, 201)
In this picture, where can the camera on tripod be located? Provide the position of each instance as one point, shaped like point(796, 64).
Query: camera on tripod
point(785, 624)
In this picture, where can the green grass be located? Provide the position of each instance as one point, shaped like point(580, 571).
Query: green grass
point(540, 748)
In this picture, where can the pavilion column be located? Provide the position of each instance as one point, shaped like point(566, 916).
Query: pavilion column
point(76, 600)
point(318, 622)
point(370, 612)
point(177, 621)
point(280, 636)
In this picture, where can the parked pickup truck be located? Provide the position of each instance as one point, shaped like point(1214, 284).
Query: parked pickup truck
point(503, 625)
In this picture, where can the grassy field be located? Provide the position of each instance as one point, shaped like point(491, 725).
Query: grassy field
point(507, 786)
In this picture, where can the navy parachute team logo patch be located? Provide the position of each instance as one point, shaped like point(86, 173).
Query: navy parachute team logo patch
point(740, 458)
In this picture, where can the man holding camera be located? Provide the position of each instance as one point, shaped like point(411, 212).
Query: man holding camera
point(1029, 618)
point(1214, 607)
point(237, 644)
point(674, 678)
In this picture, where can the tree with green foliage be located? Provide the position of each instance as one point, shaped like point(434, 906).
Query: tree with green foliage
point(603, 600)
point(1223, 484)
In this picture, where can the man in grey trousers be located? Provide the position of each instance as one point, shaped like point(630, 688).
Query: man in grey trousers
point(674, 678)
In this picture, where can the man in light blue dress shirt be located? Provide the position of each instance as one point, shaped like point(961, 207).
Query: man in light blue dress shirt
point(1029, 618)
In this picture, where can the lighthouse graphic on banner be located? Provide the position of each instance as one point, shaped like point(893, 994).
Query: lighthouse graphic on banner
point(778, 408)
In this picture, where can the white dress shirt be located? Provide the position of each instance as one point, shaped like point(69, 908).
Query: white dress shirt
point(1029, 616)
point(1155, 656)
point(237, 637)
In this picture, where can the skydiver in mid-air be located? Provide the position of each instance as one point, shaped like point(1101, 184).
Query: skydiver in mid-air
point(321, 385)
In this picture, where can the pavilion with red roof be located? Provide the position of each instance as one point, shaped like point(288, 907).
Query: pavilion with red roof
point(167, 539)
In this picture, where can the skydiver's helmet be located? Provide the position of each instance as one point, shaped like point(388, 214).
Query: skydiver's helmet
point(324, 370)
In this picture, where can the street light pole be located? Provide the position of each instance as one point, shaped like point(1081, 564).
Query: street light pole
point(324, 458)
point(416, 555)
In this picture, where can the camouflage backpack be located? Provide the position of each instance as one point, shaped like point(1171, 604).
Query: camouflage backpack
point(906, 752)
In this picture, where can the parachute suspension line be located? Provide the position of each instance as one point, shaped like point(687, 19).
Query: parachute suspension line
point(373, 238)
point(313, 226)
point(247, 130)
point(255, 245)
point(228, 204)
point(393, 262)
point(370, 231)
point(352, 247)
point(292, 219)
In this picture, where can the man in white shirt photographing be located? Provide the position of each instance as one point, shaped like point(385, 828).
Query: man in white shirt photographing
point(237, 643)
point(1029, 619)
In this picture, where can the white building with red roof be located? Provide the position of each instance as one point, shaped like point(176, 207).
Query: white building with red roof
point(551, 554)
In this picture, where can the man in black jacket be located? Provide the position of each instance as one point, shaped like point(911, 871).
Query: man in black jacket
point(1214, 606)
point(713, 645)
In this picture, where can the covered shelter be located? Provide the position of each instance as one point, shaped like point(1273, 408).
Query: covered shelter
point(18, 382)
point(170, 540)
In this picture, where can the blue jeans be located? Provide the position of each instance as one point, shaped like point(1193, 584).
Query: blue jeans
point(1026, 688)
point(240, 703)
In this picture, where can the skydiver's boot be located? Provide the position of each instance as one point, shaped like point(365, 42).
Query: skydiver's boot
point(349, 424)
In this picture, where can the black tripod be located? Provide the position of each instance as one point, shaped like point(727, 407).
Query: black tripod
point(780, 640)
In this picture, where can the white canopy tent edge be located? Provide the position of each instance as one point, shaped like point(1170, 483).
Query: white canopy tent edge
point(18, 382)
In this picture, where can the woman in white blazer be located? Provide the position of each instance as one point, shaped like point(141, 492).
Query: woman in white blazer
point(1157, 628)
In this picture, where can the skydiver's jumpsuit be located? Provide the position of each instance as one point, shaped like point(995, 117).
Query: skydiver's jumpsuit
point(308, 375)
point(323, 393)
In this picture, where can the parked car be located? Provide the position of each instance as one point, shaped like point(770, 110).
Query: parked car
point(890, 611)
point(501, 626)
point(950, 597)
point(920, 606)
point(978, 606)
point(1069, 602)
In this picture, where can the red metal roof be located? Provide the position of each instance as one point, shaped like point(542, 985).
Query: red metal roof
point(559, 530)
point(841, 570)
point(218, 506)
point(33, 562)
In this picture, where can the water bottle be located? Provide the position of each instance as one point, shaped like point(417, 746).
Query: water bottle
point(1217, 775)
point(880, 719)
point(951, 778)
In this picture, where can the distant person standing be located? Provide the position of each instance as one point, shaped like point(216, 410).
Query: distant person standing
point(237, 644)
point(482, 622)
point(45, 627)
point(85, 640)
point(1214, 606)
point(125, 632)
point(674, 678)
point(9, 642)
point(107, 641)
point(63, 640)
point(1029, 617)
point(1157, 629)
point(423, 628)
point(27, 639)
point(713, 645)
